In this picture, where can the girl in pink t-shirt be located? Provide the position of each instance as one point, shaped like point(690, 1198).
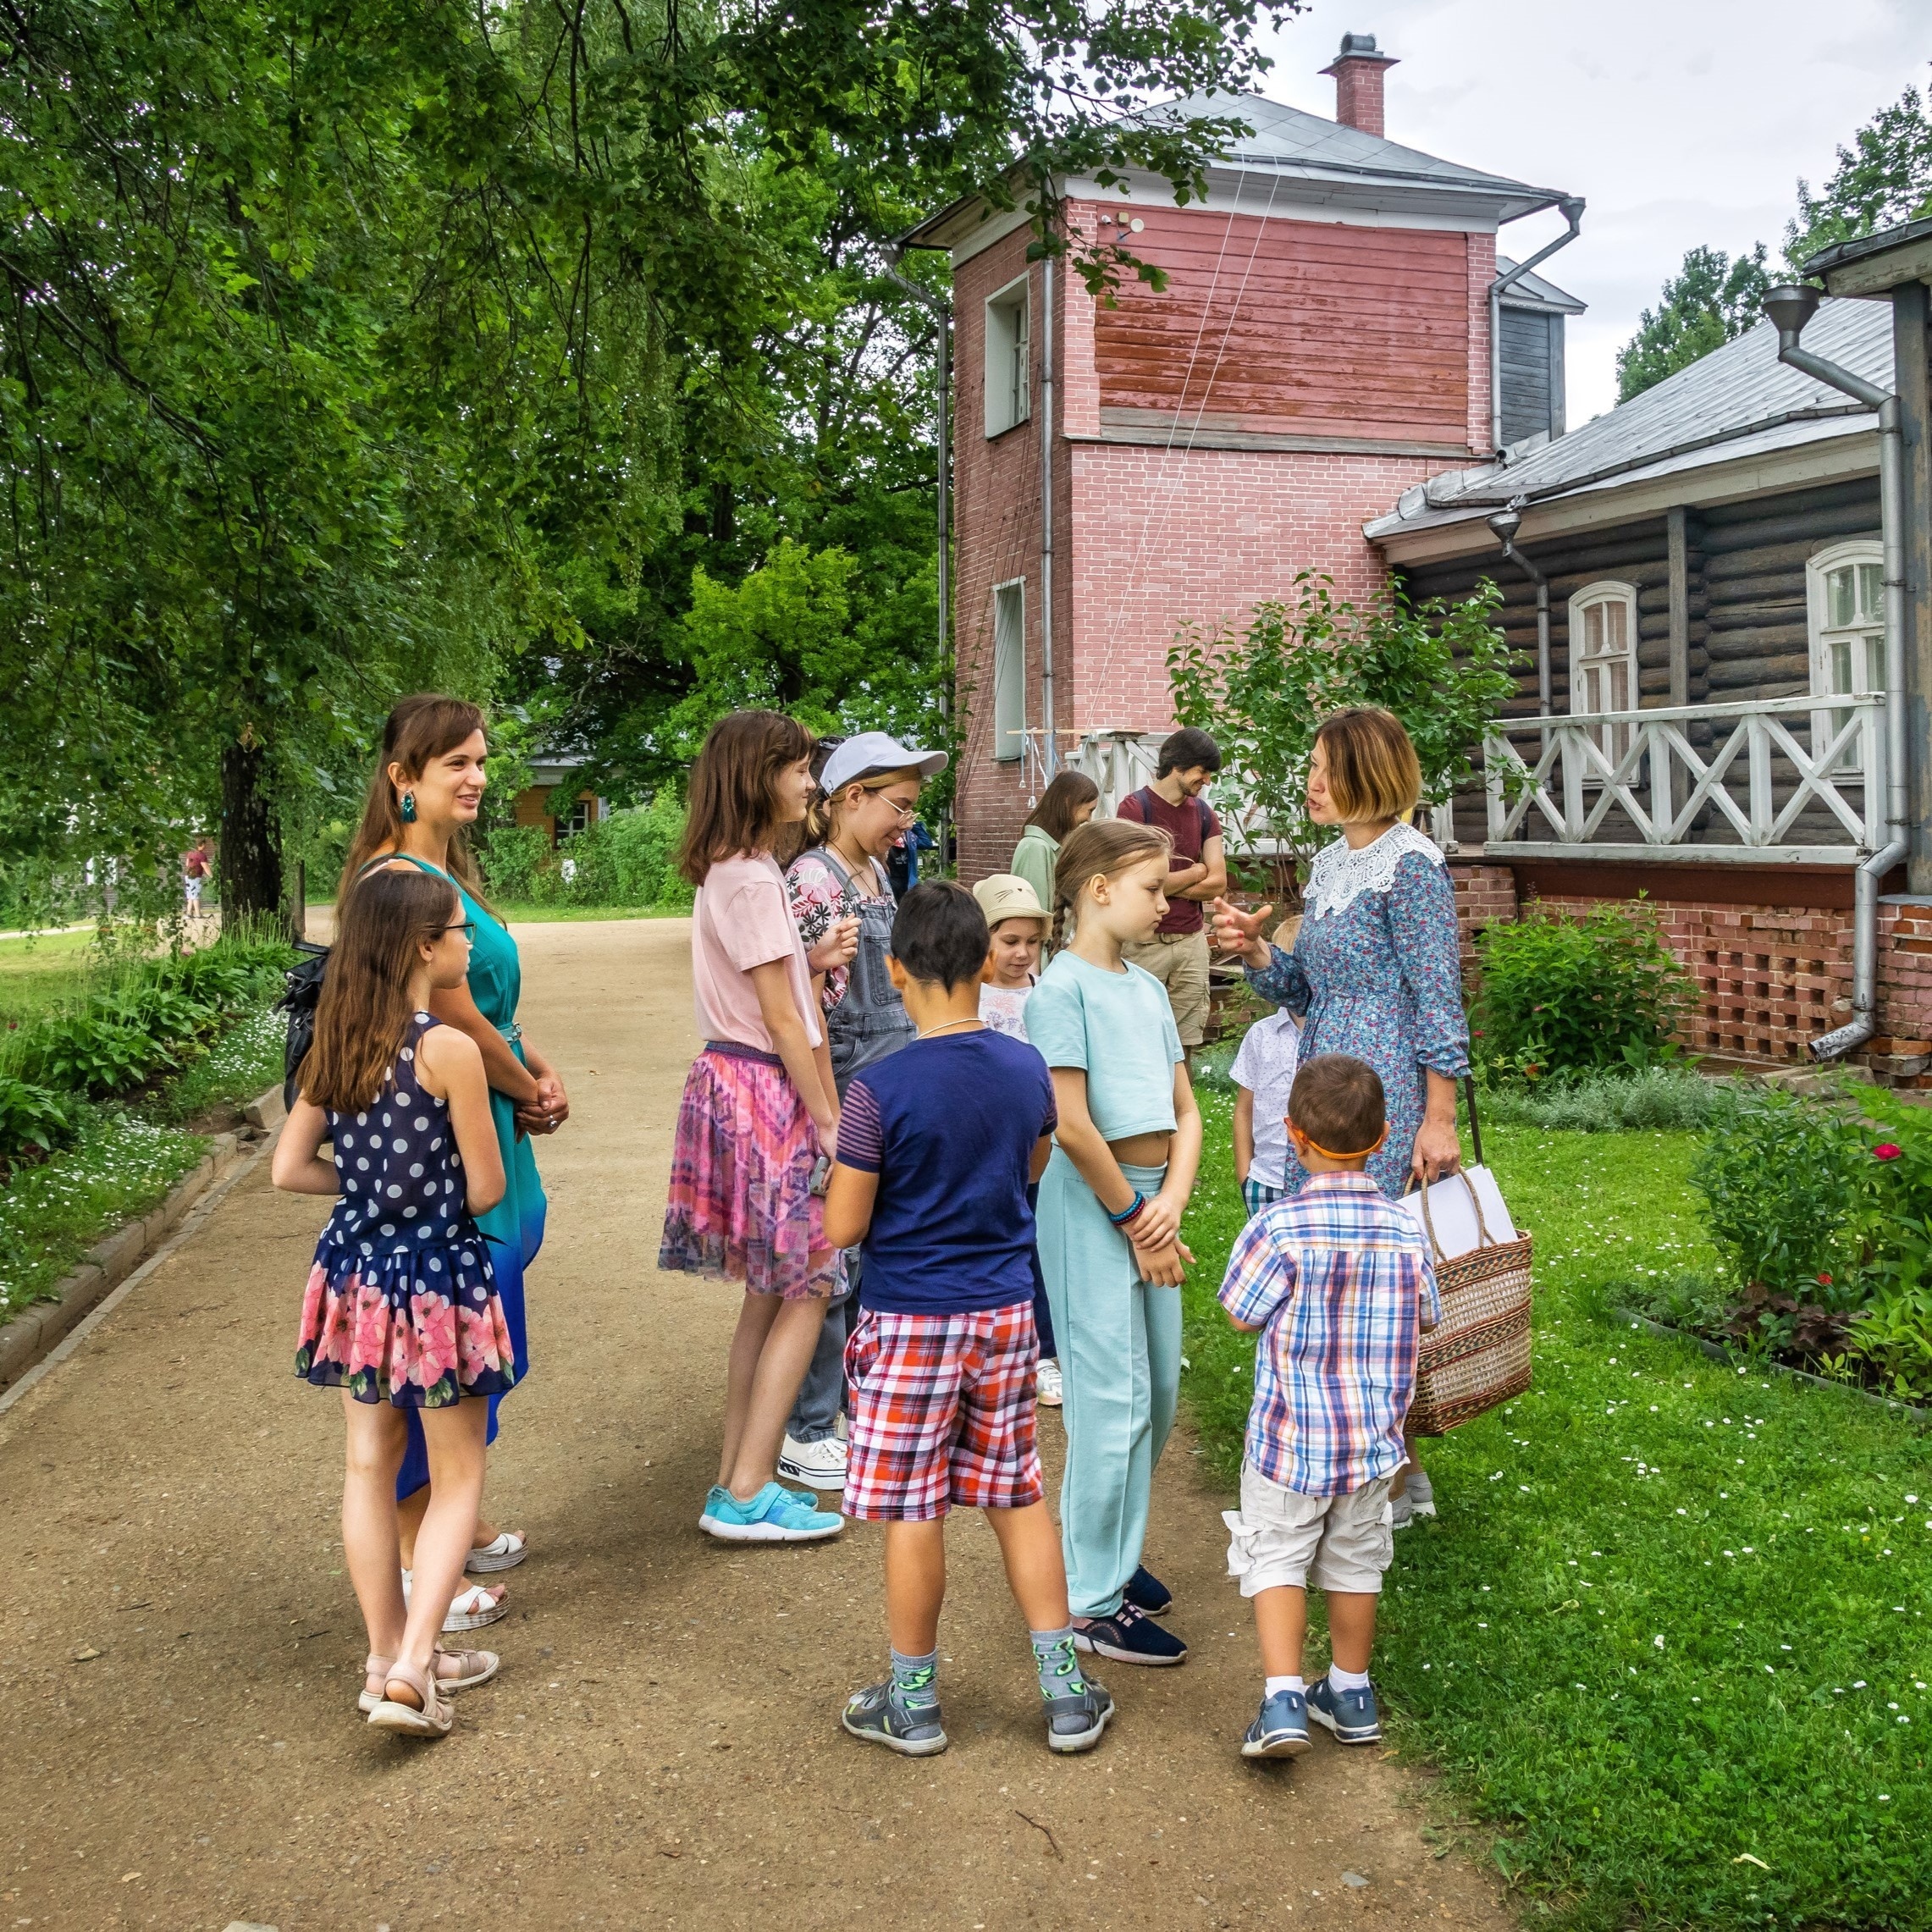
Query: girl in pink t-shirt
point(760, 1115)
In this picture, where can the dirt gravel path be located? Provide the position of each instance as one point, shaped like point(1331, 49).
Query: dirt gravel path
point(179, 1649)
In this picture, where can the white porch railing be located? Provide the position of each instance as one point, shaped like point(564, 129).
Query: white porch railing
point(1785, 780)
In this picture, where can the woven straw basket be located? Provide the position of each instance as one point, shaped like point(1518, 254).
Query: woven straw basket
point(1479, 1353)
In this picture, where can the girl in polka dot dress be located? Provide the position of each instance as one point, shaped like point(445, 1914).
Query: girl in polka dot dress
point(402, 1310)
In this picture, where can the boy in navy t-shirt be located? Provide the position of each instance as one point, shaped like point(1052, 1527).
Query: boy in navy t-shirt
point(936, 1146)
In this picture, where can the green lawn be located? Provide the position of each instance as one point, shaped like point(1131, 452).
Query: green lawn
point(1667, 1639)
point(36, 973)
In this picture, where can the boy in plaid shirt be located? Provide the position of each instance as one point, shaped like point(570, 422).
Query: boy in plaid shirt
point(936, 1146)
point(1339, 1282)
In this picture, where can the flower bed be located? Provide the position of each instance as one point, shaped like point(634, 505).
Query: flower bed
point(1667, 1640)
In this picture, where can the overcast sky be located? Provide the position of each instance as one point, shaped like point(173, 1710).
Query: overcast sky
point(1681, 121)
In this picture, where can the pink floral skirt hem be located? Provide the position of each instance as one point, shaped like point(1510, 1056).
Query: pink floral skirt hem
point(741, 1206)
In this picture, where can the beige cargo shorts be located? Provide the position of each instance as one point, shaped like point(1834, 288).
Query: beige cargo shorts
point(1279, 1539)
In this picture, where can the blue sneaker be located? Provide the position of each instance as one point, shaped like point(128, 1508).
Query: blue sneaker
point(880, 1715)
point(1129, 1636)
point(1350, 1714)
point(774, 1514)
point(1281, 1730)
point(1147, 1591)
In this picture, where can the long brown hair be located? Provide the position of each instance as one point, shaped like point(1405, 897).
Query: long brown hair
point(363, 1014)
point(1069, 790)
point(732, 804)
point(419, 728)
point(1101, 848)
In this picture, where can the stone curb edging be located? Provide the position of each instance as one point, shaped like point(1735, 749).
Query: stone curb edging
point(37, 1330)
point(1718, 1352)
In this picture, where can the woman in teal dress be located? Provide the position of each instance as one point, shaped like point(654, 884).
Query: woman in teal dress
point(428, 786)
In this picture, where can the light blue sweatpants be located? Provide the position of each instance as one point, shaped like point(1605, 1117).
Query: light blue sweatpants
point(1120, 1339)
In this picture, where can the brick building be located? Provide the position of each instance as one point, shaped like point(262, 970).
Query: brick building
point(1323, 342)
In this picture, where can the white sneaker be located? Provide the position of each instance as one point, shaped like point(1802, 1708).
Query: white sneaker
point(820, 1465)
point(1422, 1493)
point(1047, 1384)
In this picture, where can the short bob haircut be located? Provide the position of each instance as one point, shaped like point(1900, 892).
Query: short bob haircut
point(1373, 772)
point(939, 934)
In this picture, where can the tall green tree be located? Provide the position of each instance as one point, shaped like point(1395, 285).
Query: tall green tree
point(1710, 300)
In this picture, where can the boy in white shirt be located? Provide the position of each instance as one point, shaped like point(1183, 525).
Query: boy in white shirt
point(1263, 1074)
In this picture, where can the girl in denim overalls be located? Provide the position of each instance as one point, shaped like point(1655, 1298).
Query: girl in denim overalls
point(871, 787)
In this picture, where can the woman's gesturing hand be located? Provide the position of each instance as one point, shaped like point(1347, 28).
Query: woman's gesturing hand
point(1236, 932)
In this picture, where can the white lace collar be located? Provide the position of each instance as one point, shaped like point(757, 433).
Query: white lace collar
point(1341, 873)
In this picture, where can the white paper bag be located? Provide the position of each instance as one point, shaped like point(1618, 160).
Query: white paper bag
point(1452, 1213)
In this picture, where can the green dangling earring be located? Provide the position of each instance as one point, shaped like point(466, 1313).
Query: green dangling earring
point(409, 808)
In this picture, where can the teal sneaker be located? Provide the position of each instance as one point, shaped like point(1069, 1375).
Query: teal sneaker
point(1350, 1714)
point(774, 1514)
point(881, 1714)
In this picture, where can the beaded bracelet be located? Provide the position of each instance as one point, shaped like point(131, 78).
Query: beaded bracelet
point(1128, 1212)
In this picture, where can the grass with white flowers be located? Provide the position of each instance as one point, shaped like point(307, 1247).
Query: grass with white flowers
point(1671, 1637)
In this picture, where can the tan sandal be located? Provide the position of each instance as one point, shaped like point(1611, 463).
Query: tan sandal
point(430, 1717)
point(469, 1668)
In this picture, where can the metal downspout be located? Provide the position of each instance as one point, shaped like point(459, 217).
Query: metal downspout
point(1505, 523)
point(1050, 745)
point(1572, 209)
point(1789, 308)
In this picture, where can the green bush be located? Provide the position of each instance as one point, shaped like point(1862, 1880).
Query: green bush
point(1562, 995)
point(32, 1118)
point(1792, 1196)
point(512, 863)
point(627, 859)
point(1644, 1100)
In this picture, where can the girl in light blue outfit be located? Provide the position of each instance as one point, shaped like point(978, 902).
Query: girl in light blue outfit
point(1111, 1202)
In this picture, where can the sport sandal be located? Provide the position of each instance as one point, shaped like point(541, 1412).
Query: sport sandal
point(456, 1670)
point(430, 1717)
point(1075, 1721)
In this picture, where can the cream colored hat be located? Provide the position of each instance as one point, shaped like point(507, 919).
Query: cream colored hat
point(1007, 896)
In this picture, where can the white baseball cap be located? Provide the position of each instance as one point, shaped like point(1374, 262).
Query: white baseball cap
point(871, 754)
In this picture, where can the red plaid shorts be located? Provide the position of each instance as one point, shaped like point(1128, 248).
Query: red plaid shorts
point(942, 1414)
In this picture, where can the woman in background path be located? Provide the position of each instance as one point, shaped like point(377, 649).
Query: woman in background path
point(1375, 971)
point(871, 788)
point(1069, 801)
point(428, 787)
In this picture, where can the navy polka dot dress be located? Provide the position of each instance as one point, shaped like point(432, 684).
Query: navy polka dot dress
point(402, 1305)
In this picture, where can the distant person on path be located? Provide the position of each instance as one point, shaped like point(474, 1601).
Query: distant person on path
point(402, 1313)
point(423, 798)
point(1177, 953)
point(1070, 800)
point(760, 1115)
point(1376, 970)
point(1111, 1202)
point(1337, 1279)
point(936, 1146)
point(902, 861)
point(871, 787)
point(197, 864)
point(1017, 923)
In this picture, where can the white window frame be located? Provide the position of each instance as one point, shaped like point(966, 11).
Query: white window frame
point(1587, 676)
point(1009, 355)
point(1009, 671)
point(1823, 636)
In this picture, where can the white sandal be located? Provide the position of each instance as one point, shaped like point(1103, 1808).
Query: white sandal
point(472, 1667)
point(470, 1609)
point(505, 1552)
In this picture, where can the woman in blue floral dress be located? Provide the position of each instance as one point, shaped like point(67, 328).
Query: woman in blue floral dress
point(1376, 969)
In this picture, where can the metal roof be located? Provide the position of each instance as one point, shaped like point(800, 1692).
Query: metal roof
point(1531, 291)
point(1738, 396)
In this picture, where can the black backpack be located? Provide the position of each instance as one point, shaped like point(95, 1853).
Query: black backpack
point(302, 989)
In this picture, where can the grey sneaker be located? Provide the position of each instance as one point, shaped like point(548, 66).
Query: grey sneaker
point(1422, 1493)
point(1350, 1714)
point(1075, 1721)
point(1281, 1728)
point(880, 1716)
point(1402, 1510)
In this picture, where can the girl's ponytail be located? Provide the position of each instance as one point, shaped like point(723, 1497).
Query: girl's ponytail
point(1101, 847)
point(363, 1017)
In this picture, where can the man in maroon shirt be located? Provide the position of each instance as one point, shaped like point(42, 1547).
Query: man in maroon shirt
point(1177, 954)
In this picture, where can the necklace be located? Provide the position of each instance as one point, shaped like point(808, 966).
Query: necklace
point(948, 1028)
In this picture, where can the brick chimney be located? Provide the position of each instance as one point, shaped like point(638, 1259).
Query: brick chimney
point(1358, 70)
